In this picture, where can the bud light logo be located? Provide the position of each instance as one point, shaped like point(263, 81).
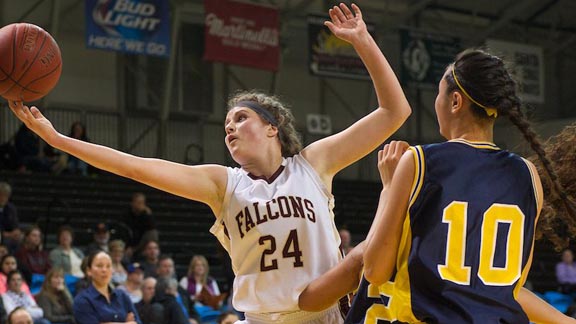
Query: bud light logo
point(136, 26)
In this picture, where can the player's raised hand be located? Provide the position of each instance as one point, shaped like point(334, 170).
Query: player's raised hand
point(346, 25)
point(388, 159)
point(34, 120)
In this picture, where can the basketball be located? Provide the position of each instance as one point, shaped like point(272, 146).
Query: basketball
point(30, 62)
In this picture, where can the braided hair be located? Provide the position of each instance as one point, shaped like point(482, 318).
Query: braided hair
point(495, 88)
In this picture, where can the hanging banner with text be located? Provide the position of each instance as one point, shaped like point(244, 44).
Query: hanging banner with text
point(241, 33)
point(328, 55)
point(527, 67)
point(425, 56)
point(130, 26)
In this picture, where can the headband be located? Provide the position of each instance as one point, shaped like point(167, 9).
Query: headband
point(491, 112)
point(259, 110)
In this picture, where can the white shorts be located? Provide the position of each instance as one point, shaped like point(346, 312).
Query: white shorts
point(330, 316)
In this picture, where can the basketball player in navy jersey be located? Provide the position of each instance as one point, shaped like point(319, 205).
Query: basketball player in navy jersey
point(274, 212)
point(453, 235)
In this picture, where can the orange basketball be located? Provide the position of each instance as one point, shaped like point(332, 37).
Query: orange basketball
point(30, 62)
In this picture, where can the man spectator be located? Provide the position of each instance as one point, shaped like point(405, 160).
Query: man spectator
point(133, 284)
point(166, 269)
point(140, 220)
point(19, 316)
point(165, 294)
point(11, 234)
point(101, 238)
point(150, 256)
point(150, 312)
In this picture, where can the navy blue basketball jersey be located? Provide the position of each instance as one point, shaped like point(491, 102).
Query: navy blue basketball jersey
point(466, 241)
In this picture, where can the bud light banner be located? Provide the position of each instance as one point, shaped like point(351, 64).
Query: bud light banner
point(130, 26)
point(241, 33)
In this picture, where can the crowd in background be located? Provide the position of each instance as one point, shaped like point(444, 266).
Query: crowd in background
point(58, 285)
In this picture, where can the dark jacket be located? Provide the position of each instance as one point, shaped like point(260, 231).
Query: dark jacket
point(173, 313)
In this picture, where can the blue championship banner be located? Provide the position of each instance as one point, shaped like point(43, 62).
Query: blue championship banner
point(130, 26)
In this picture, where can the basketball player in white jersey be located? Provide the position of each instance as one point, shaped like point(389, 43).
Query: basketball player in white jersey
point(274, 213)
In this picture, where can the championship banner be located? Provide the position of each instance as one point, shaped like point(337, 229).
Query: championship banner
point(425, 57)
point(528, 67)
point(241, 33)
point(130, 26)
point(328, 55)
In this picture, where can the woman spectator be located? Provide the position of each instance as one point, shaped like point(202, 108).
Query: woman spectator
point(199, 284)
point(99, 303)
point(7, 265)
point(15, 297)
point(75, 165)
point(119, 273)
point(32, 258)
point(65, 256)
point(55, 299)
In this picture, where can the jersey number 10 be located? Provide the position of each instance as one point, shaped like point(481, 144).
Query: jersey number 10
point(454, 269)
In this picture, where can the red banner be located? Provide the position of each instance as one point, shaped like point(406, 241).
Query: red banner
point(241, 33)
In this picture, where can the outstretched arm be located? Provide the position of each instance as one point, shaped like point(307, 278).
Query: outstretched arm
point(539, 311)
point(332, 154)
point(204, 183)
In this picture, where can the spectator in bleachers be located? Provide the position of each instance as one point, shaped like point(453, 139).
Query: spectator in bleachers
point(150, 312)
point(18, 316)
point(119, 264)
point(133, 284)
point(33, 154)
point(32, 258)
point(227, 318)
point(166, 269)
point(150, 256)
point(55, 299)
point(7, 265)
point(566, 272)
point(9, 225)
point(99, 303)
point(3, 251)
point(66, 256)
point(15, 297)
point(101, 237)
point(198, 279)
point(345, 241)
point(75, 165)
point(141, 221)
point(165, 294)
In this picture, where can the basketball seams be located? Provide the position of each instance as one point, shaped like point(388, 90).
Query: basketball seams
point(37, 53)
point(9, 75)
point(29, 85)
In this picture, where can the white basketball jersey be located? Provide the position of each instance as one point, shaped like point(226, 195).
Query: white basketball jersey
point(280, 235)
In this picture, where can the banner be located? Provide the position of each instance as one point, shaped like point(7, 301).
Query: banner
point(328, 55)
point(527, 67)
point(130, 26)
point(241, 33)
point(425, 57)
